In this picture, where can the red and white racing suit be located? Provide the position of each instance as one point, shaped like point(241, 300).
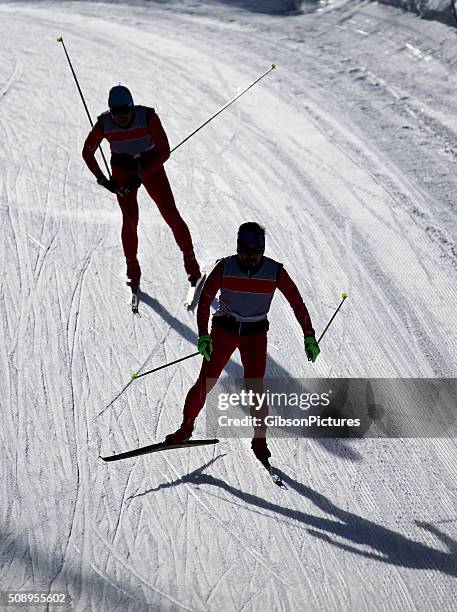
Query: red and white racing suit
point(239, 323)
point(140, 149)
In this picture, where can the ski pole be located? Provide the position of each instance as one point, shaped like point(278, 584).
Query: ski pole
point(344, 296)
point(273, 66)
point(60, 39)
point(135, 376)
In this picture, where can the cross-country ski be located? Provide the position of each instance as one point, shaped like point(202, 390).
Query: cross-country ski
point(154, 448)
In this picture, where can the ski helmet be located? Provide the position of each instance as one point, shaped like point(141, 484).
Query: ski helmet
point(251, 238)
point(119, 96)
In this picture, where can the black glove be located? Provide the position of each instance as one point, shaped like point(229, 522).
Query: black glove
point(132, 183)
point(109, 184)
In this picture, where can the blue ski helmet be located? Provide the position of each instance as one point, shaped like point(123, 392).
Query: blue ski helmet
point(119, 96)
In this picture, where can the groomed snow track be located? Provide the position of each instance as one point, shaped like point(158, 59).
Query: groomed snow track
point(347, 155)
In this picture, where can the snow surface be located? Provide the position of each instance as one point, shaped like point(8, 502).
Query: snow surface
point(347, 154)
point(426, 8)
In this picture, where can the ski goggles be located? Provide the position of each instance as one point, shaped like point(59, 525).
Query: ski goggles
point(120, 110)
point(251, 243)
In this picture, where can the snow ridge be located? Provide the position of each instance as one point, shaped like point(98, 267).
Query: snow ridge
point(428, 9)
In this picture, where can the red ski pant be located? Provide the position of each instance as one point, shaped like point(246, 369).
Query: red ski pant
point(158, 187)
point(253, 352)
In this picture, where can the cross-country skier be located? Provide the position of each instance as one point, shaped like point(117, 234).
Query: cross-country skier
point(247, 282)
point(139, 148)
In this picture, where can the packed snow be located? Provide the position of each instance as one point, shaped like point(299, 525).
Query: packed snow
point(427, 8)
point(347, 154)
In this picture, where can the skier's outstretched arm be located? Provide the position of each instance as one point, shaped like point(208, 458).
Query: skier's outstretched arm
point(162, 147)
point(92, 143)
point(287, 286)
point(212, 285)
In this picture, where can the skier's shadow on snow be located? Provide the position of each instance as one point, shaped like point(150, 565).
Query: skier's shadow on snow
point(388, 546)
point(274, 370)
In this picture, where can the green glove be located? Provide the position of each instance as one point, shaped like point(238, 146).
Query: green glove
point(311, 348)
point(205, 346)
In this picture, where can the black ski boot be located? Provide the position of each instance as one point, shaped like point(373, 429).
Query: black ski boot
point(182, 434)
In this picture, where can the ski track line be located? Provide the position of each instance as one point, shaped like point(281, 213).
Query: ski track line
point(44, 217)
point(137, 575)
point(126, 340)
point(363, 270)
point(397, 199)
point(237, 110)
point(46, 252)
point(102, 575)
point(122, 505)
point(77, 290)
point(409, 107)
point(159, 343)
point(218, 520)
point(77, 502)
point(292, 523)
point(373, 510)
point(404, 26)
point(315, 160)
point(419, 215)
point(218, 582)
point(169, 531)
point(399, 101)
point(139, 438)
point(254, 596)
point(299, 562)
point(355, 149)
point(171, 535)
point(15, 76)
point(162, 402)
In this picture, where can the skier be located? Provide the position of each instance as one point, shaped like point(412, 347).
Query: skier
point(139, 148)
point(247, 282)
